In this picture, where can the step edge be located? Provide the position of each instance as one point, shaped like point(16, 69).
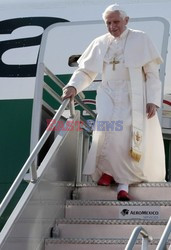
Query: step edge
point(111, 221)
point(96, 241)
point(145, 184)
point(118, 203)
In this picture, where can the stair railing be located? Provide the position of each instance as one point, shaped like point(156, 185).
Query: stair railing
point(146, 238)
point(43, 70)
point(37, 141)
point(163, 240)
point(31, 161)
point(34, 154)
point(78, 98)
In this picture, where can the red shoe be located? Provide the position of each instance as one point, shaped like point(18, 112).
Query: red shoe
point(123, 196)
point(105, 180)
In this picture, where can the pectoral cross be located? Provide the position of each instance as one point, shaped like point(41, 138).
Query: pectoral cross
point(114, 62)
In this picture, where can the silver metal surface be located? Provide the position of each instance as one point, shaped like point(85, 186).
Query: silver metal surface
point(133, 238)
point(165, 236)
point(44, 199)
point(112, 209)
point(118, 203)
point(111, 221)
point(80, 157)
point(93, 244)
point(150, 191)
point(30, 160)
point(110, 231)
point(143, 184)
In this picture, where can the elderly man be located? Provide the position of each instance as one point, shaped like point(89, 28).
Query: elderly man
point(127, 144)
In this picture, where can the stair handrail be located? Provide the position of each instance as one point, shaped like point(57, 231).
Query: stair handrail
point(40, 85)
point(58, 81)
point(34, 154)
point(163, 240)
point(59, 98)
point(78, 98)
point(146, 238)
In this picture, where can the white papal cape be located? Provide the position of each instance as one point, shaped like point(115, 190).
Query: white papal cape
point(109, 151)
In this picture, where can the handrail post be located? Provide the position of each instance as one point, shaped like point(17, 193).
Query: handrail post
point(145, 242)
point(165, 236)
point(33, 172)
point(134, 236)
point(72, 108)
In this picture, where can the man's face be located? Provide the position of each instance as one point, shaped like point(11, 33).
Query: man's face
point(116, 24)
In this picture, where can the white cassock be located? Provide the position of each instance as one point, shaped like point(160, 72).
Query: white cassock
point(122, 125)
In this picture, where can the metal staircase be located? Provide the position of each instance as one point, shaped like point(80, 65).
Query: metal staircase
point(96, 220)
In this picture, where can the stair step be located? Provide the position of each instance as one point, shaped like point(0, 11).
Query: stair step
point(143, 191)
point(118, 209)
point(93, 244)
point(94, 228)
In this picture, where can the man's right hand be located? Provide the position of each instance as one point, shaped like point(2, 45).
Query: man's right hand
point(69, 92)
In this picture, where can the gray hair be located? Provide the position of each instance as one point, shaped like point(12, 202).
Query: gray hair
point(113, 8)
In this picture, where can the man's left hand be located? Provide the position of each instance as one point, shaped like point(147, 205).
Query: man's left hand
point(151, 109)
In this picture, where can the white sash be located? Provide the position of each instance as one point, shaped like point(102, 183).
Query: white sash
point(137, 93)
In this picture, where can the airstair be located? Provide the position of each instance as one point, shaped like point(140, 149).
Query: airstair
point(60, 208)
point(96, 220)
